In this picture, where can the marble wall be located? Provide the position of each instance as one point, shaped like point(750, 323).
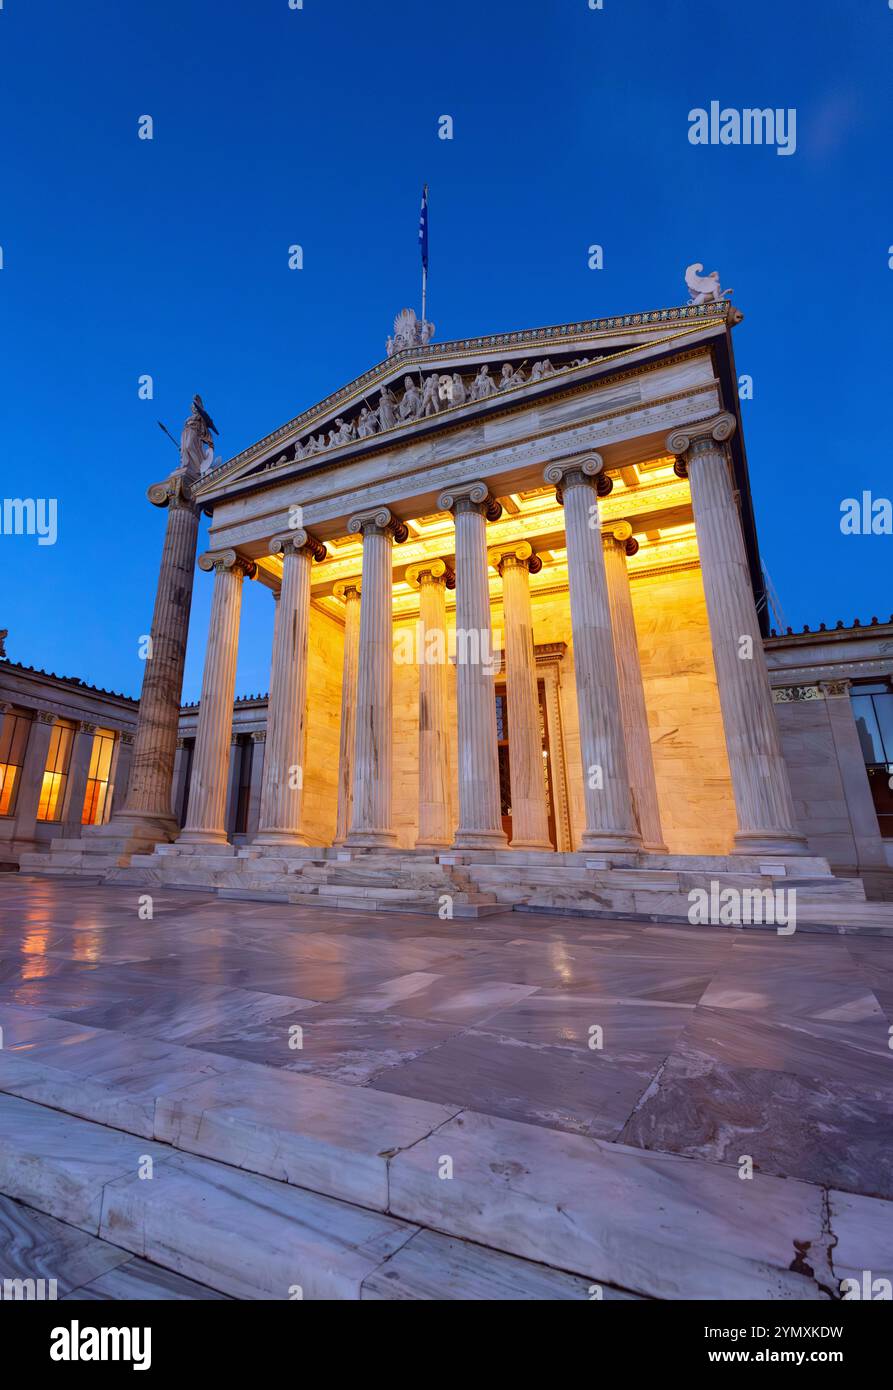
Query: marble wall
point(326, 645)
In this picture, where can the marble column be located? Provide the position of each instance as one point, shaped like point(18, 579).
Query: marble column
point(349, 594)
point(206, 816)
point(610, 822)
point(78, 772)
point(480, 809)
point(432, 578)
point(258, 741)
point(147, 815)
point(619, 543)
point(121, 774)
point(282, 793)
point(372, 768)
point(530, 815)
point(766, 820)
point(31, 778)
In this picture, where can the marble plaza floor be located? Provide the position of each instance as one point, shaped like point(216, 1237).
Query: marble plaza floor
point(704, 1043)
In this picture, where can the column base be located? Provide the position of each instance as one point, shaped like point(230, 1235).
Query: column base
point(370, 839)
point(432, 844)
point(202, 837)
point(531, 844)
point(136, 825)
point(769, 842)
point(611, 842)
point(654, 849)
point(280, 837)
point(480, 839)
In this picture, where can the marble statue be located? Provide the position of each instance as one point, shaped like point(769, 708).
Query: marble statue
point(411, 402)
point(4, 633)
point(430, 396)
point(196, 440)
point(483, 385)
point(510, 377)
point(704, 289)
point(387, 409)
point(366, 423)
point(345, 431)
point(409, 332)
point(458, 395)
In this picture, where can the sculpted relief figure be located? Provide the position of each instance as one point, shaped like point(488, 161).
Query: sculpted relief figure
point(704, 289)
point(542, 367)
point(483, 385)
point(196, 440)
point(510, 377)
point(411, 403)
point(431, 396)
point(387, 409)
point(459, 394)
point(366, 423)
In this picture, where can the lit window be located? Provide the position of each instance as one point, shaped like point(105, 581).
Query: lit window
point(55, 777)
point(98, 777)
point(14, 732)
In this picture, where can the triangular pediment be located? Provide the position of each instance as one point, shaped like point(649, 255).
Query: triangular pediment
point(426, 386)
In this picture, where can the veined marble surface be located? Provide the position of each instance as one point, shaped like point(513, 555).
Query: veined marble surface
point(671, 1052)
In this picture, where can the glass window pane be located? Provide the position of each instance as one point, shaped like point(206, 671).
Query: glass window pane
point(883, 709)
point(867, 726)
point(8, 776)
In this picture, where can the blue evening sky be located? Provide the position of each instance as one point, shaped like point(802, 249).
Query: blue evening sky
point(319, 126)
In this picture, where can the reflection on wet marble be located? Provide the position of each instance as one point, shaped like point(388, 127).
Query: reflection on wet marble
point(704, 1033)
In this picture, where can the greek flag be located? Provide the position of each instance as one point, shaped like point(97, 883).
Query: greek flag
point(423, 229)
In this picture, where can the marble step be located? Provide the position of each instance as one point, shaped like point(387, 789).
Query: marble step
point(234, 1233)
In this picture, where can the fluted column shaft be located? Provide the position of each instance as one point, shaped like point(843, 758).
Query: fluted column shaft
point(618, 542)
point(372, 770)
point(610, 822)
point(480, 808)
point(282, 787)
point(148, 808)
point(350, 593)
point(435, 821)
point(206, 817)
point(766, 819)
point(530, 816)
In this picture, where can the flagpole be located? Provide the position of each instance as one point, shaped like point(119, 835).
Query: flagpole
point(424, 248)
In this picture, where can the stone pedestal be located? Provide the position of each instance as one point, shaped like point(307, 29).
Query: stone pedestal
point(480, 808)
point(530, 816)
point(147, 816)
point(349, 593)
point(435, 821)
point(610, 822)
point(283, 781)
point(618, 544)
point(372, 770)
point(206, 816)
point(766, 819)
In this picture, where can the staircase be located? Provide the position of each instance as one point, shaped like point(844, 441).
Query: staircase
point(262, 1183)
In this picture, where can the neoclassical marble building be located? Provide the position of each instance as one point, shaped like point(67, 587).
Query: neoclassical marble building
point(519, 624)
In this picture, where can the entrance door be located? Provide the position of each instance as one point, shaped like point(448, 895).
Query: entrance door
point(505, 767)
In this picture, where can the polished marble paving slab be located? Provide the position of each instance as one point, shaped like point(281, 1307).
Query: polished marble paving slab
point(833, 1133)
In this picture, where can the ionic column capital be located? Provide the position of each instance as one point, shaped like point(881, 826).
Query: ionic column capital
point(471, 497)
point(221, 560)
point(519, 553)
point(175, 491)
point(586, 470)
point(348, 588)
point(620, 533)
point(431, 572)
point(296, 541)
point(701, 437)
point(378, 521)
point(834, 690)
